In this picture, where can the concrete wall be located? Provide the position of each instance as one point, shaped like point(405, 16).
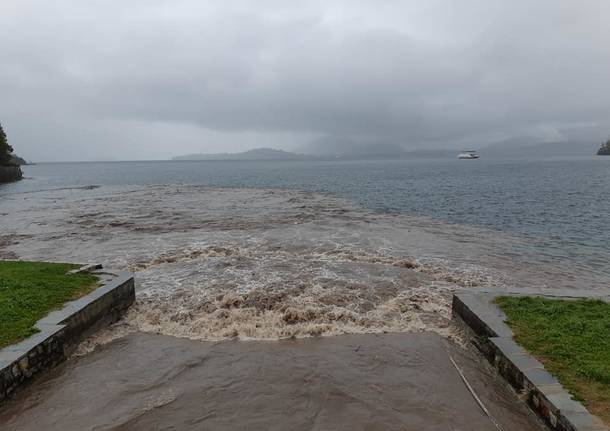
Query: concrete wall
point(539, 389)
point(62, 330)
point(10, 173)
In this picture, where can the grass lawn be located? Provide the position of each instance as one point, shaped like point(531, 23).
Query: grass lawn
point(571, 339)
point(30, 290)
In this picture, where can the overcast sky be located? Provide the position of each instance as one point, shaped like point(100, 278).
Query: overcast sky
point(149, 79)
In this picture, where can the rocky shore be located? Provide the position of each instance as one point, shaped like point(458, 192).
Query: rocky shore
point(604, 149)
point(9, 174)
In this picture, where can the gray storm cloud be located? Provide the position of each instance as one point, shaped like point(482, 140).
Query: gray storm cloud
point(153, 78)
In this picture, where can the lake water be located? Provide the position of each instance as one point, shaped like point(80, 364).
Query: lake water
point(563, 202)
point(276, 250)
point(261, 249)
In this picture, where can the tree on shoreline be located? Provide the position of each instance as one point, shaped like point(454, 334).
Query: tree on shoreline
point(605, 149)
point(5, 149)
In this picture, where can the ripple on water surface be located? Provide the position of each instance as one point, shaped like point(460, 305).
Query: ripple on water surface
point(263, 263)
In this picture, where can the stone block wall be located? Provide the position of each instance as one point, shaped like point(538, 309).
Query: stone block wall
point(62, 330)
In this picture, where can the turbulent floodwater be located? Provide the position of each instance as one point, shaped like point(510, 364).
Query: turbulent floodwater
point(222, 263)
point(351, 382)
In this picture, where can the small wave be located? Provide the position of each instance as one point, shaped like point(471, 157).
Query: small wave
point(262, 264)
point(186, 254)
point(271, 315)
point(265, 291)
point(103, 336)
point(306, 296)
point(463, 275)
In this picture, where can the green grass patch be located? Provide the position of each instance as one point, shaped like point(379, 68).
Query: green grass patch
point(30, 290)
point(571, 339)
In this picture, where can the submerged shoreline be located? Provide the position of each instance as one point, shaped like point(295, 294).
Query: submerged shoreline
point(355, 382)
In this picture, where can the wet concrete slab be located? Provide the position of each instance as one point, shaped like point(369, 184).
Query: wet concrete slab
point(350, 382)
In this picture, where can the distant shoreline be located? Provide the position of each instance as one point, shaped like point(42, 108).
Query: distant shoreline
point(334, 159)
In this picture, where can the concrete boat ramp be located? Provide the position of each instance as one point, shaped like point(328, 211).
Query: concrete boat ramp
point(353, 382)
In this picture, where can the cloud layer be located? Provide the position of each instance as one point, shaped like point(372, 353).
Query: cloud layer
point(155, 78)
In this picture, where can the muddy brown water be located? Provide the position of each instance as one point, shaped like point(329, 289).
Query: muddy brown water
point(350, 382)
point(215, 264)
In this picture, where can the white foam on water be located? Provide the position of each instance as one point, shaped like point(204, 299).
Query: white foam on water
point(213, 264)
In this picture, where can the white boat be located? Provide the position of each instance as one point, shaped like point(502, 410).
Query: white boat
point(470, 154)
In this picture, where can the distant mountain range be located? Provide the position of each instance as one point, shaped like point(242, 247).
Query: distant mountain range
point(324, 149)
point(344, 148)
point(255, 154)
point(518, 148)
